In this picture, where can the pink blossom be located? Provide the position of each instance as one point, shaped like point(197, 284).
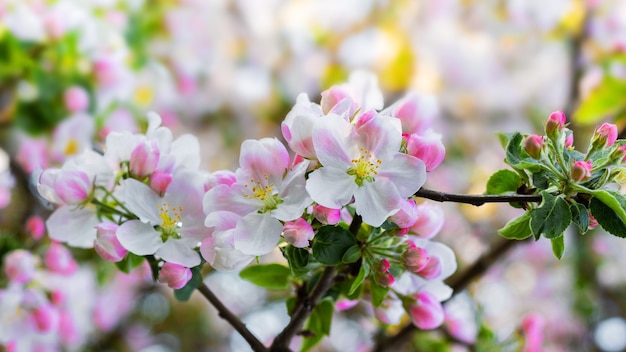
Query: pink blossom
point(533, 145)
point(144, 159)
point(606, 134)
point(46, 317)
point(415, 258)
point(174, 275)
point(569, 141)
point(407, 215)
point(461, 329)
point(327, 216)
point(429, 221)
point(382, 275)
point(19, 266)
point(159, 181)
point(298, 233)
point(345, 304)
point(76, 99)
point(432, 270)
point(67, 329)
point(426, 312)
point(106, 243)
point(69, 186)
point(427, 147)
point(416, 111)
point(532, 325)
point(32, 155)
point(581, 170)
point(59, 259)
point(555, 123)
point(35, 226)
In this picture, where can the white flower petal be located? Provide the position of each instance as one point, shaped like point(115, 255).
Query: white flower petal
point(178, 252)
point(376, 201)
point(333, 144)
point(406, 172)
point(142, 201)
point(74, 226)
point(257, 234)
point(186, 148)
point(139, 238)
point(330, 187)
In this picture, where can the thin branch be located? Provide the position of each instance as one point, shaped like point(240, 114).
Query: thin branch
point(458, 283)
point(227, 315)
point(303, 310)
point(306, 305)
point(477, 199)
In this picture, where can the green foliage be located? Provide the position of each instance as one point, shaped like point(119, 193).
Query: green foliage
point(298, 258)
point(607, 211)
point(558, 246)
point(551, 218)
point(503, 181)
point(130, 262)
point(182, 294)
point(318, 324)
point(270, 276)
point(518, 228)
point(607, 98)
point(331, 243)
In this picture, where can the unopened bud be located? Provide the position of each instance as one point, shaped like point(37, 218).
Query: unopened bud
point(533, 145)
point(106, 243)
point(426, 312)
point(555, 123)
point(581, 170)
point(605, 135)
point(174, 275)
point(298, 233)
point(415, 258)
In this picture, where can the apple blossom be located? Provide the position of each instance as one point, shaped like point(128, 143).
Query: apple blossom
point(429, 221)
point(555, 123)
point(363, 161)
point(426, 311)
point(19, 266)
point(415, 258)
point(59, 259)
point(298, 233)
point(416, 111)
point(327, 216)
point(581, 170)
point(106, 243)
point(76, 99)
point(428, 147)
point(174, 275)
point(533, 145)
point(605, 135)
point(35, 226)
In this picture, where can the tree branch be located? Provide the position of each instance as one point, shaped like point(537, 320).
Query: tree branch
point(458, 283)
point(227, 315)
point(477, 199)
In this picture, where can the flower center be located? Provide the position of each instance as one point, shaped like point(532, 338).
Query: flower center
point(171, 221)
point(364, 168)
point(71, 147)
point(264, 193)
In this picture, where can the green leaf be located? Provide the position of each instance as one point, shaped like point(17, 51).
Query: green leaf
point(130, 262)
point(580, 217)
point(352, 254)
point(558, 246)
point(613, 200)
point(605, 99)
point(270, 276)
point(518, 228)
point(331, 243)
point(363, 272)
point(318, 324)
point(606, 215)
point(543, 179)
point(182, 294)
point(378, 293)
point(503, 181)
point(298, 259)
point(551, 218)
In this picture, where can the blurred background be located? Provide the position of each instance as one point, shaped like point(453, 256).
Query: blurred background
point(228, 70)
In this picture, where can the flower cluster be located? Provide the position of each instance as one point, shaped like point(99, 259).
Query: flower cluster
point(343, 198)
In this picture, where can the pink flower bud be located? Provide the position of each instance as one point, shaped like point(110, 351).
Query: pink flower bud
point(106, 71)
point(426, 312)
point(407, 215)
point(581, 170)
point(326, 216)
point(432, 270)
point(35, 226)
point(416, 112)
point(174, 275)
point(298, 233)
point(71, 186)
point(427, 147)
point(19, 266)
point(605, 135)
point(533, 145)
point(382, 275)
point(532, 325)
point(569, 141)
point(415, 258)
point(345, 304)
point(429, 220)
point(76, 99)
point(59, 259)
point(106, 243)
point(67, 329)
point(46, 317)
point(160, 180)
point(144, 159)
point(556, 122)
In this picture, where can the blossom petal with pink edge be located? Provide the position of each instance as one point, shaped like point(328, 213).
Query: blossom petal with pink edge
point(378, 134)
point(416, 111)
point(264, 157)
point(446, 257)
point(139, 238)
point(428, 147)
point(430, 218)
point(427, 312)
point(298, 233)
point(174, 275)
point(364, 86)
point(179, 251)
point(298, 126)
point(376, 201)
point(331, 138)
point(186, 148)
point(257, 234)
point(407, 173)
point(293, 193)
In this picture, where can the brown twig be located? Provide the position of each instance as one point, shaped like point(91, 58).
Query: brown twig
point(477, 199)
point(233, 320)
